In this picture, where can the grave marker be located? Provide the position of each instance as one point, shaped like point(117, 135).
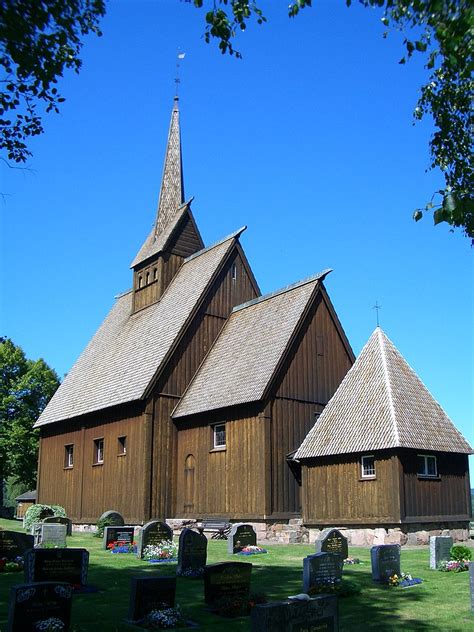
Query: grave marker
point(192, 552)
point(14, 544)
point(227, 579)
point(150, 593)
point(153, 533)
point(316, 615)
point(385, 560)
point(60, 520)
point(57, 565)
point(320, 569)
point(50, 534)
point(31, 603)
point(241, 535)
point(114, 517)
point(440, 547)
point(332, 541)
point(121, 535)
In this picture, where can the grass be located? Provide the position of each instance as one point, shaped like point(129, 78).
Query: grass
point(441, 603)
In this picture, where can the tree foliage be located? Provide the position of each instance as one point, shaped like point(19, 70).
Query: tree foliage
point(39, 40)
point(442, 31)
point(26, 386)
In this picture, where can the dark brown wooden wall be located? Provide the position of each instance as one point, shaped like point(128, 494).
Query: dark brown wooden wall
point(334, 493)
point(447, 497)
point(314, 369)
point(87, 490)
point(186, 240)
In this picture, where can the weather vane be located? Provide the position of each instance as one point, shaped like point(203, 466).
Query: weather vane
point(377, 307)
point(177, 80)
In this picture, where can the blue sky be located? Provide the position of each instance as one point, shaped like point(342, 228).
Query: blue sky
point(308, 140)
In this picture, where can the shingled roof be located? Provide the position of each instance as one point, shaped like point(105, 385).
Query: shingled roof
point(244, 357)
point(380, 404)
point(128, 349)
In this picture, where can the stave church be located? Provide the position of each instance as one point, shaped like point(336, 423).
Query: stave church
point(200, 398)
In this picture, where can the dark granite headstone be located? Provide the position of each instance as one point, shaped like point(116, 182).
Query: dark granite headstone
point(316, 615)
point(150, 593)
point(320, 569)
point(385, 560)
point(332, 541)
point(227, 579)
point(192, 552)
point(114, 517)
point(53, 535)
point(31, 603)
point(240, 535)
point(153, 533)
point(60, 520)
point(14, 544)
point(440, 550)
point(121, 535)
point(57, 565)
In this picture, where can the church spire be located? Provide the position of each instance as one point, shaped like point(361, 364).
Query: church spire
point(172, 187)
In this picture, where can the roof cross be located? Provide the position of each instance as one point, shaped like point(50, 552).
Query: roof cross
point(377, 307)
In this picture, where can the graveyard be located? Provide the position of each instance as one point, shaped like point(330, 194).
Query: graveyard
point(441, 602)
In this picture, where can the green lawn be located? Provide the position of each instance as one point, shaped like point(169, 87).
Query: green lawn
point(441, 603)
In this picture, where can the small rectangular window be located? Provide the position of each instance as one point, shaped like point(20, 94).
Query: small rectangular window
point(427, 465)
point(69, 455)
point(234, 272)
point(219, 435)
point(122, 446)
point(98, 451)
point(368, 466)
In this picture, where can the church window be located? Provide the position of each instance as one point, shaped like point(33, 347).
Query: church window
point(122, 446)
point(69, 455)
point(140, 281)
point(98, 451)
point(427, 466)
point(234, 272)
point(155, 274)
point(368, 466)
point(218, 432)
point(147, 278)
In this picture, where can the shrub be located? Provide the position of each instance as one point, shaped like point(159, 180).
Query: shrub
point(460, 553)
point(38, 512)
point(101, 524)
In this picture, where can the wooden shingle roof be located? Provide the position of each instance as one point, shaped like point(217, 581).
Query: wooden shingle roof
point(122, 358)
point(248, 350)
point(381, 404)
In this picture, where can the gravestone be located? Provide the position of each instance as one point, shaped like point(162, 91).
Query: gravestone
point(53, 535)
point(57, 565)
point(31, 603)
point(385, 560)
point(240, 535)
point(121, 535)
point(192, 552)
point(14, 544)
point(440, 547)
point(60, 520)
point(332, 541)
point(150, 593)
point(320, 569)
point(114, 517)
point(153, 533)
point(227, 579)
point(316, 615)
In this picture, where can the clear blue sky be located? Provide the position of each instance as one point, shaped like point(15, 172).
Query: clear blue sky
point(308, 140)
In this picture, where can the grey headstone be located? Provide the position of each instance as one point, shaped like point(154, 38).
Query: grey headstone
point(320, 569)
point(153, 533)
point(60, 520)
point(57, 565)
point(114, 517)
point(240, 535)
point(50, 534)
point(192, 552)
point(227, 579)
point(319, 615)
point(440, 547)
point(122, 535)
point(385, 560)
point(150, 593)
point(14, 544)
point(31, 603)
point(332, 541)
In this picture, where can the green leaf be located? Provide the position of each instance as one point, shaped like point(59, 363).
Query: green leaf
point(417, 215)
point(440, 216)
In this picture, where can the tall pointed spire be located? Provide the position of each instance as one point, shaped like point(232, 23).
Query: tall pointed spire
point(172, 187)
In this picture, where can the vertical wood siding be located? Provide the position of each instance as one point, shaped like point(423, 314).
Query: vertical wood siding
point(186, 241)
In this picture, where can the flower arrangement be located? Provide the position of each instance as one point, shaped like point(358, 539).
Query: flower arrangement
point(252, 549)
point(53, 624)
point(122, 547)
point(352, 560)
point(166, 551)
point(11, 566)
point(162, 619)
point(404, 581)
point(454, 566)
point(341, 587)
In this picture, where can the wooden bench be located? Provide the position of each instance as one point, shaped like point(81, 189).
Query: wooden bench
point(220, 527)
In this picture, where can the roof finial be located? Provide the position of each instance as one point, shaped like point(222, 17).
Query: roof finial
point(177, 80)
point(377, 307)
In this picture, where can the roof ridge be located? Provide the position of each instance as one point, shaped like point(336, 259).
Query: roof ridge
point(236, 233)
point(381, 339)
point(320, 276)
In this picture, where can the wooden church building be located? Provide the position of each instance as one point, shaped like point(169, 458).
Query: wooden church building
point(118, 433)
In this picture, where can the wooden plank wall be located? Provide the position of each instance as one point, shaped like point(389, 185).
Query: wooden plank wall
point(437, 499)
point(334, 493)
point(186, 240)
point(87, 490)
